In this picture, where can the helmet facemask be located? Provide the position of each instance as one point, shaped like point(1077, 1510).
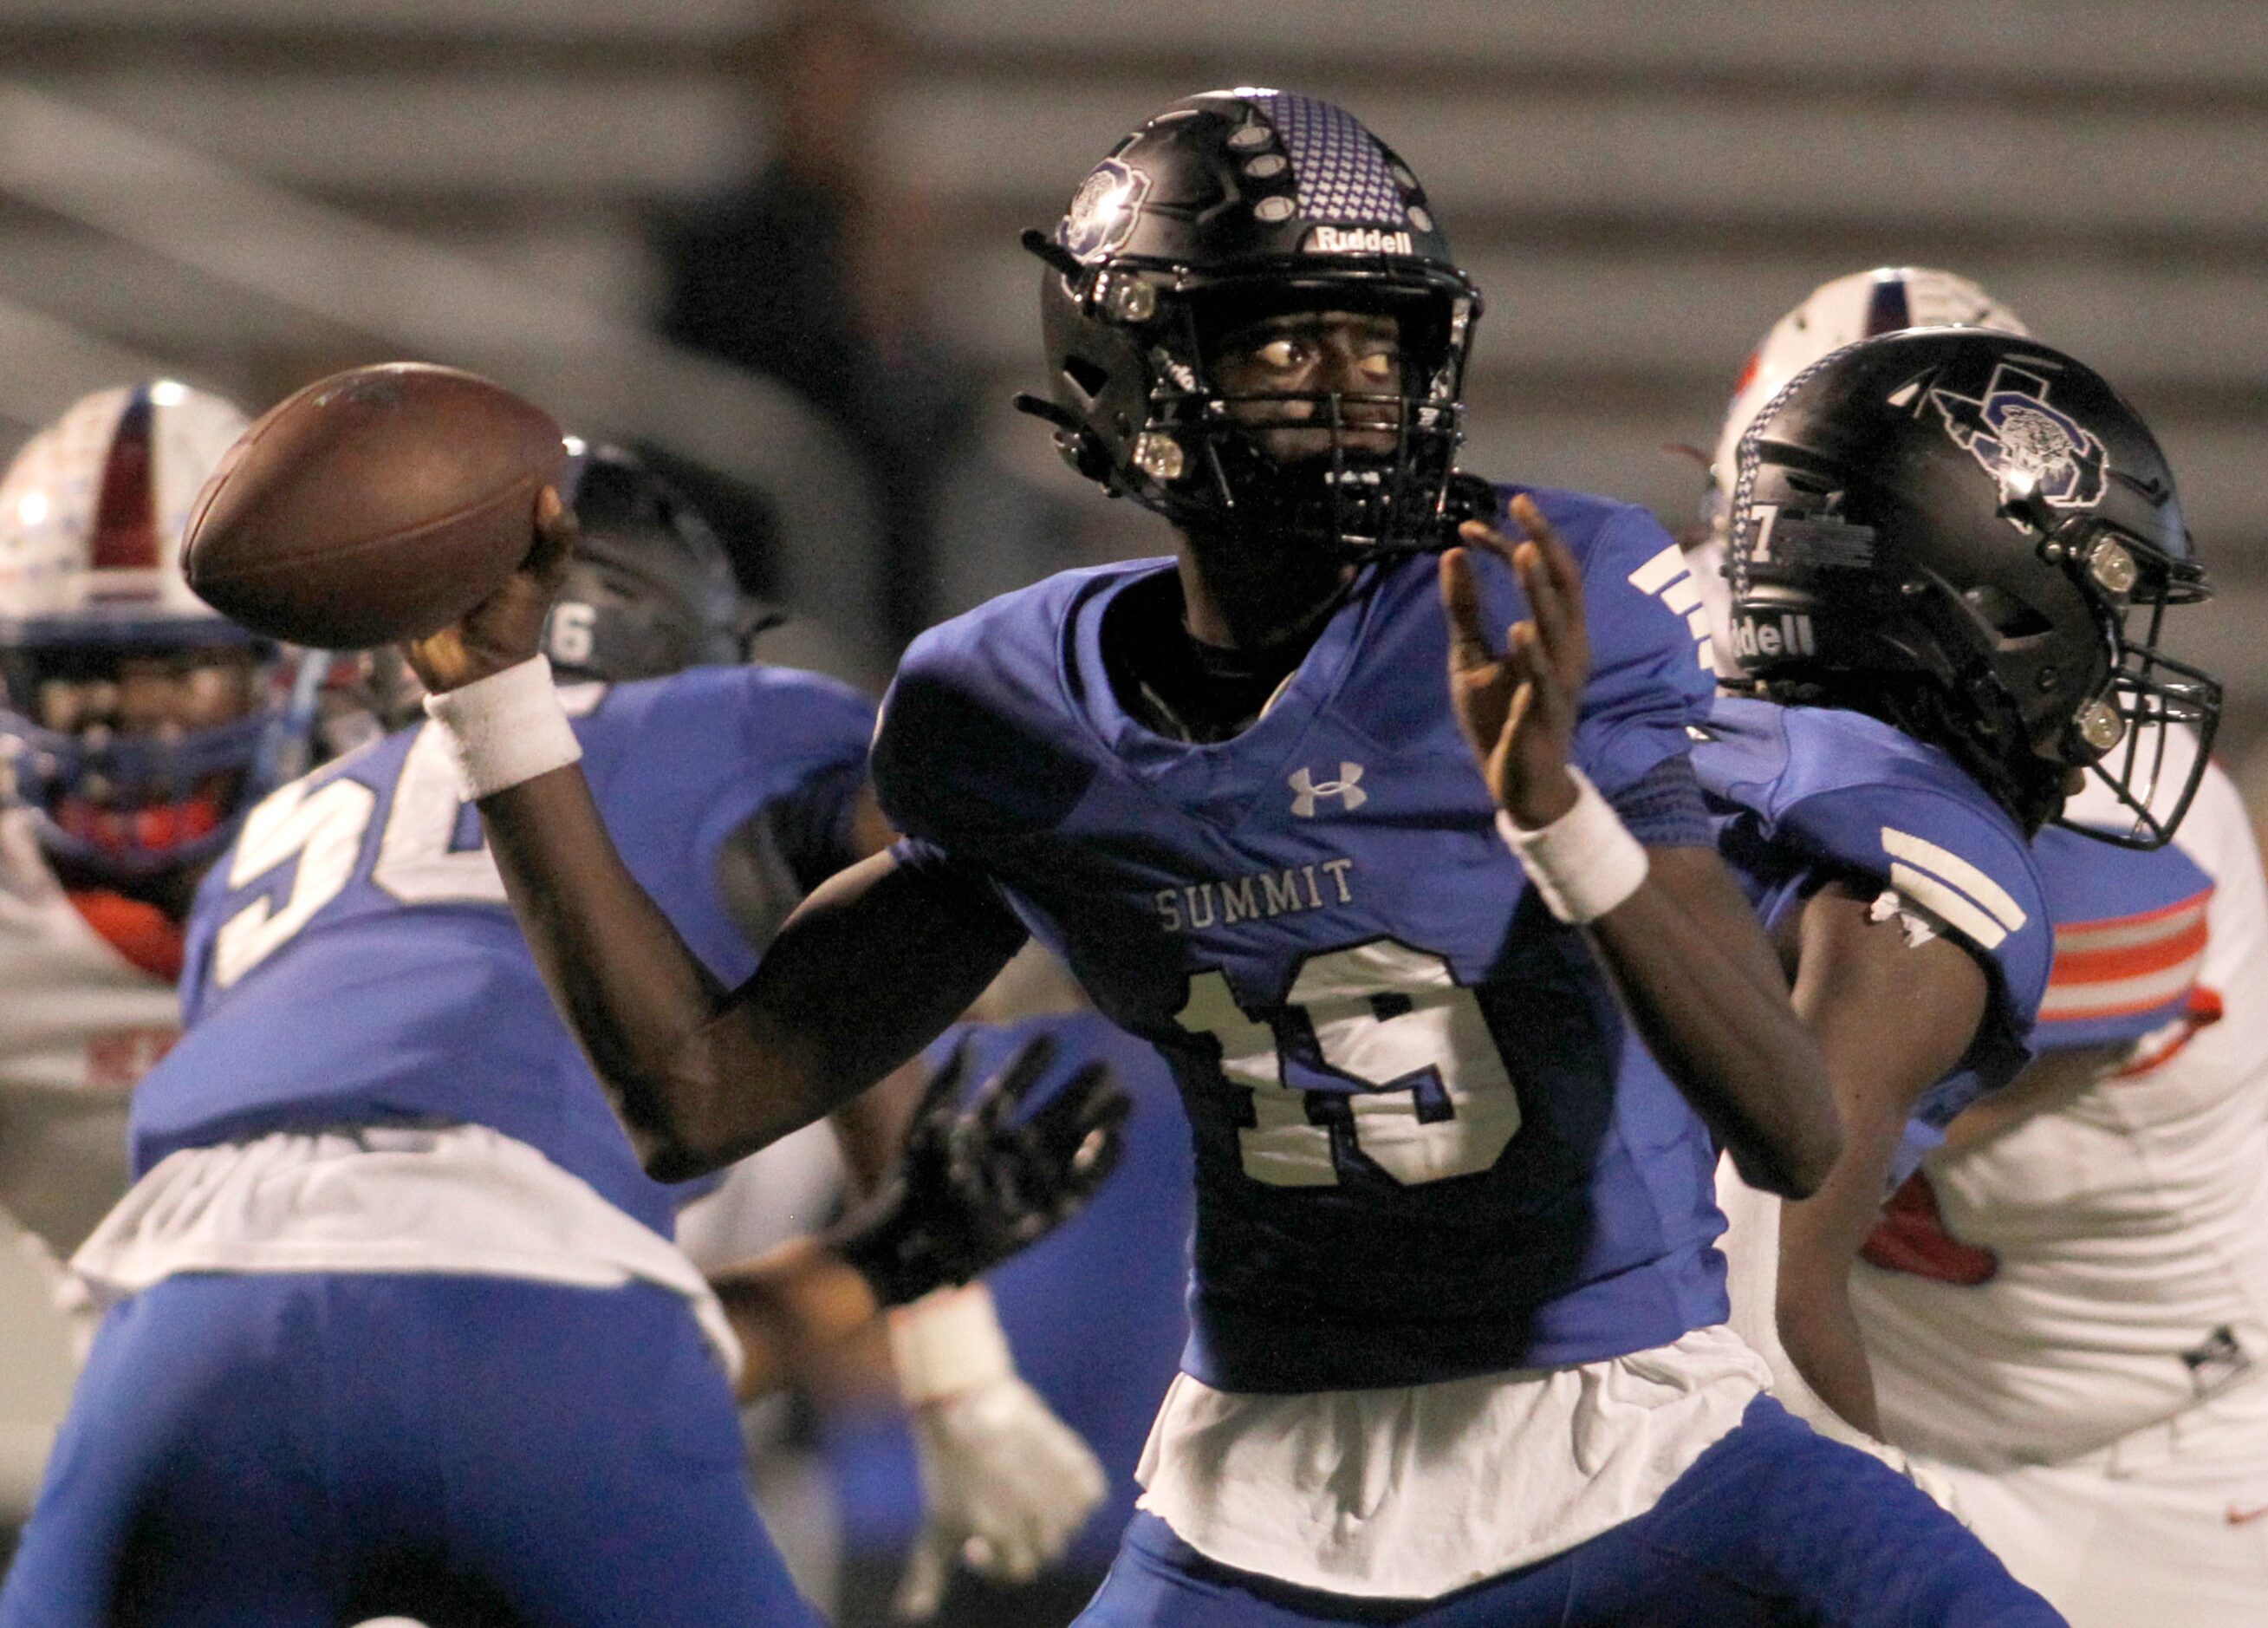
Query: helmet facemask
point(117, 801)
point(2123, 735)
point(1360, 472)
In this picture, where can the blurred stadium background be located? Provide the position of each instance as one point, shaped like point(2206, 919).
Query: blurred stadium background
point(251, 192)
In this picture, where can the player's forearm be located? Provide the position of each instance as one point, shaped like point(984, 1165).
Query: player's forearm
point(1820, 1332)
point(676, 1056)
point(871, 1127)
point(1703, 990)
point(1891, 1020)
point(1820, 1239)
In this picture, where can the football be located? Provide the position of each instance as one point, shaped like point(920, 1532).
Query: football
point(376, 505)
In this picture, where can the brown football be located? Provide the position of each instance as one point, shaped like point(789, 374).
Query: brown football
point(376, 505)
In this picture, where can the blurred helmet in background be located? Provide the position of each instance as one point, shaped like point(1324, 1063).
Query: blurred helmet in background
point(136, 722)
point(1972, 537)
point(648, 591)
point(1836, 313)
point(1839, 313)
point(1225, 210)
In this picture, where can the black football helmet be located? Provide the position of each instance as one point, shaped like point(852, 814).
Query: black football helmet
point(1973, 537)
point(649, 588)
point(648, 591)
point(1224, 209)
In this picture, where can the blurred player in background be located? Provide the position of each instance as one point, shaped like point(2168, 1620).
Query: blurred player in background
point(1094, 1315)
point(2067, 1305)
point(2069, 1357)
point(135, 727)
point(388, 1257)
point(1456, 1354)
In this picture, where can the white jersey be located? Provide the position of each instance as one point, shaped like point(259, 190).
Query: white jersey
point(79, 1025)
point(2118, 1242)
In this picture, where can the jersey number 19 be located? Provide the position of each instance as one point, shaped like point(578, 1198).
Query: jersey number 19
point(1435, 1099)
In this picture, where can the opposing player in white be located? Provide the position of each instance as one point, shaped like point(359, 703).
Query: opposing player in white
point(2067, 1313)
point(136, 723)
point(2066, 1307)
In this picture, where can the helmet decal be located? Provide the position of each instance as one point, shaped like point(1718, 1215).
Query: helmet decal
point(2013, 431)
point(1338, 170)
point(1102, 211)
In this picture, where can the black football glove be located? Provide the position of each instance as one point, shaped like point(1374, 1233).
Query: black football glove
point(974, 1184)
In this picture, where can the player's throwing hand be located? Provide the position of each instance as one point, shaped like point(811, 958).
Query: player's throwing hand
point(507, 628)
point(1518, 709)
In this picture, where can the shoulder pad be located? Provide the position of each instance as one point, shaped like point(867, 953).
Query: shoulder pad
point(977, 737)
point(1853, 793)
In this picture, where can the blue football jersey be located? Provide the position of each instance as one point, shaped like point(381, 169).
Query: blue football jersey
point(351, 959)
point(1804, 795)
point(1416, 1157)
point(2130, 936)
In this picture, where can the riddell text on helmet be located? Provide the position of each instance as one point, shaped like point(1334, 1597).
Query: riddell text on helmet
point(1356, 240)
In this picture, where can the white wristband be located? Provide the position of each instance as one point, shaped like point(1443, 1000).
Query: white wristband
point(947, 1342)
point(1584, 862)
point(505, 728)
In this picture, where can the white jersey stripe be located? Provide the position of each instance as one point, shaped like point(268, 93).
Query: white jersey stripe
point(1659, 572)
point(1950, 904)
point(1952, 868)
point(2120, 932)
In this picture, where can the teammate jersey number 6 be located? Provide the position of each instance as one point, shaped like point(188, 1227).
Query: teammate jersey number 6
point(1436, 1100)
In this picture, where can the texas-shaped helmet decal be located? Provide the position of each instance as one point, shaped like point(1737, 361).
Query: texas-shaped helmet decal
point(2013, 430)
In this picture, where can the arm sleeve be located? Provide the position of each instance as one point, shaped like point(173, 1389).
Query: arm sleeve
point(1663, 806)
point(1650, 679)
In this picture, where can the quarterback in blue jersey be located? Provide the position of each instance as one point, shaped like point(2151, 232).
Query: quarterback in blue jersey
point(1950, 549)
point(1457, 1353)
point(396, 1326)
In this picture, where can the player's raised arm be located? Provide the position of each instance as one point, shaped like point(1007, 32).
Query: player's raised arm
point(1701, 983)
point(872, 965)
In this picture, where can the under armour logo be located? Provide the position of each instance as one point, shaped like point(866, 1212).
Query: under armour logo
point(1347, 788)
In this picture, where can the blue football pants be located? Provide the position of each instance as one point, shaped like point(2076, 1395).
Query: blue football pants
point(1773, 1525)
point(315, 1449)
